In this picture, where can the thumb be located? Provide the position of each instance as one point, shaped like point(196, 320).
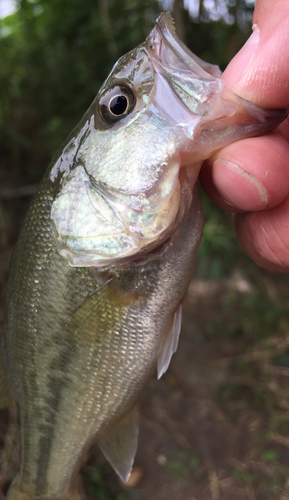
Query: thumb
point(259, 72)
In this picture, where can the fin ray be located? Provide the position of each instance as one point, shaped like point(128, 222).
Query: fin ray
point(170, 344)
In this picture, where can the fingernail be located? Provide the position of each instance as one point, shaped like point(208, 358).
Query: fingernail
point(239, 64)
point(239, 187)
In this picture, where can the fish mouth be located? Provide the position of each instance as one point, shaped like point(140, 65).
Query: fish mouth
point(194, 84)
point(209, 114)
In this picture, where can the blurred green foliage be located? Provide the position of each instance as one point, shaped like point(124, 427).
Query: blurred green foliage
point(250, 317)
point(243, 476)
point(183, 464)
point(219, 250)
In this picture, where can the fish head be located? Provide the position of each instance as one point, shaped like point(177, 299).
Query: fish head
point(125, 178)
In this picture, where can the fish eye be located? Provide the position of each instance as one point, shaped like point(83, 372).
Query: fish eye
point(116, 103)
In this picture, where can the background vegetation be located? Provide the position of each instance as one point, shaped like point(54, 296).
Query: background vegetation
point(54, 56)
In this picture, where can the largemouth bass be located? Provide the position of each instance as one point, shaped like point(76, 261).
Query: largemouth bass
point(105, 257)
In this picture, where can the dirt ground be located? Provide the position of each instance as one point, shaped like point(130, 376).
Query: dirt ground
point(215, 426)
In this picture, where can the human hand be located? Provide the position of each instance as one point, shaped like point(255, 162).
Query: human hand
point(251, 177)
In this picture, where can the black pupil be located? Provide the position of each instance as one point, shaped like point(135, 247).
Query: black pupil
point(118, 105)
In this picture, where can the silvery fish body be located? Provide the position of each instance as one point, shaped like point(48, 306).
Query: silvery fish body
point(105, 257)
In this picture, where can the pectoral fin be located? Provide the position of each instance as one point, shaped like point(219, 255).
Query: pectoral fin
point(119, 447)
point(6, 398)
point(170, 344)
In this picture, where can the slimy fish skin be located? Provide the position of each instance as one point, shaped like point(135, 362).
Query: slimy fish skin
point(105, 257)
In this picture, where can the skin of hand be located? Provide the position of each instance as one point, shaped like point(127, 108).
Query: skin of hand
point(251, 176)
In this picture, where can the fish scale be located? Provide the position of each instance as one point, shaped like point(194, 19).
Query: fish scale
point(105, 257)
